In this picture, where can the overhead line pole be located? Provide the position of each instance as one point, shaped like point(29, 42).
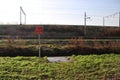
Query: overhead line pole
point(117, 13)
point(119, 19)
point(85, 20)
point(22, 11)
point(24, 14)
point(85, 24)
point(103, 21)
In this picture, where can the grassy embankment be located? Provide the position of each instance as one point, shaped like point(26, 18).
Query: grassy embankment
point(89, 67)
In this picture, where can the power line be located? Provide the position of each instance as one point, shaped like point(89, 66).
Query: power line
point(112, 16)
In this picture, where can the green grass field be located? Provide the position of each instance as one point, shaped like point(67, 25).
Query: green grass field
point(88, 67)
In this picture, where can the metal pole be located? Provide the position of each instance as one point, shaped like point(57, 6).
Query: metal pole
point(22, 11)
point(119, 19)
point(25, 18)
point(85, 24)
point(103, 21)
point(39, 45)
point(20, 16)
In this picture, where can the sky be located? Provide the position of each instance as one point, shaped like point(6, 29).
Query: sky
point(67, 12)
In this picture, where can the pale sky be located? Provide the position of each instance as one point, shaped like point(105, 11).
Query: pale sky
point(69, 12)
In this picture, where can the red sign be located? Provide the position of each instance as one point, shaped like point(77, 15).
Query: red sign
point(39, 30)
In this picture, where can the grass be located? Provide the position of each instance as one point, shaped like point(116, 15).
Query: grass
point(58, 47)
point(87, 67)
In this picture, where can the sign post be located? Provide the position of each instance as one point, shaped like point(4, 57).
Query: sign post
point(39, 45)
point(38, 31)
